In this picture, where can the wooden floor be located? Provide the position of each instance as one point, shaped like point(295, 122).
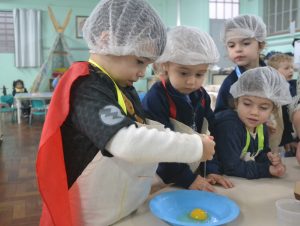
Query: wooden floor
point(20, 203)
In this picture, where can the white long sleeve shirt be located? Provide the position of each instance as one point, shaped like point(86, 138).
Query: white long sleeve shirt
point(111, 188)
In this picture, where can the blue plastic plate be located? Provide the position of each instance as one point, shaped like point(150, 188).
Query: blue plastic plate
point(174, 207)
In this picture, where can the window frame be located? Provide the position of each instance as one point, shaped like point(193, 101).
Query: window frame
point(7, 40)
point(273, 12)
point(218, 6)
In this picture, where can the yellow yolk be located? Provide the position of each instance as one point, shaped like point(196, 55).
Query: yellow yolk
point(198, 214)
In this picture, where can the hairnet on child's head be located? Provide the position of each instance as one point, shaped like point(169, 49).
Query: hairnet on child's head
point(125, 27)
point(294, 106)
point(265, 82)
point(244, 26)
point(189, 46)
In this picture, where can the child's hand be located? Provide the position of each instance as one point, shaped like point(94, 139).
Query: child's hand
point(219, 179)
point(274, 157)
point(200, 183)
point(278, 170)
point(208, 147)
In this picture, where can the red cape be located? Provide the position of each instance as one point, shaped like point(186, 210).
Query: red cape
point(50, 165)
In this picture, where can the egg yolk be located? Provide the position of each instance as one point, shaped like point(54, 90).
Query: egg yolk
point(198, 214)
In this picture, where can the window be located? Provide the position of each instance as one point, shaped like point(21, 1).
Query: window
point(7, 42)
point(223, 9)
point(278, 14)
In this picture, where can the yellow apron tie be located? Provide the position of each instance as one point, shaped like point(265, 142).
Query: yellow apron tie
point(261, 139)
point(119, 92)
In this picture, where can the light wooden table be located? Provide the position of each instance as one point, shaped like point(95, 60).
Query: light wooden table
point(256, 199)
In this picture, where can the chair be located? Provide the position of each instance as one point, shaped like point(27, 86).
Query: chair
point(6, 106)
point(38, 108)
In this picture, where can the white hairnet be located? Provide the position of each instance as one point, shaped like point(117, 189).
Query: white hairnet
point(125, 27)
point(245, 26)
point(265, 82)
point(294, 106)
point(189, 46)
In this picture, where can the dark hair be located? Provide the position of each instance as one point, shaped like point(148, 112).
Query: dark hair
point(295, 40)
point(270, 54)
point(231, 102)
point(289, 53)
point(16, 82)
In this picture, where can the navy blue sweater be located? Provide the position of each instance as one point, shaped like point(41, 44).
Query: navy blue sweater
point(190, 112)
point(224, 97)
point(230, 136)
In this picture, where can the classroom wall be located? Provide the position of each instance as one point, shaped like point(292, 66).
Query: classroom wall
point(281, 43)
point(193, 13)
point(167, 9)
point(9, 72)
point(251, 7)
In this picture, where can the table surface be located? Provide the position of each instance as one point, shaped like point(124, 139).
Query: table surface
point(33, 95)
point(256, 199)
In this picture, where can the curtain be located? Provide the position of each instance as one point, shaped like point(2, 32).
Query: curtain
point(28, 37)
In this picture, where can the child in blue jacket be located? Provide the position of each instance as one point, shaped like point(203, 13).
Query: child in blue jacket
point(185, 60)
point(244, 37)
point(241, 135)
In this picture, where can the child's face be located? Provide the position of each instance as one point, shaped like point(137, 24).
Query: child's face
point(125, 70)
point(286, 68)
point(253, 110)
point(19, 85)
point(244, 52)
point(186, 78)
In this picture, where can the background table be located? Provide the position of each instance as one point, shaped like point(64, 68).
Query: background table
point(29, 96)
point(256, 199)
